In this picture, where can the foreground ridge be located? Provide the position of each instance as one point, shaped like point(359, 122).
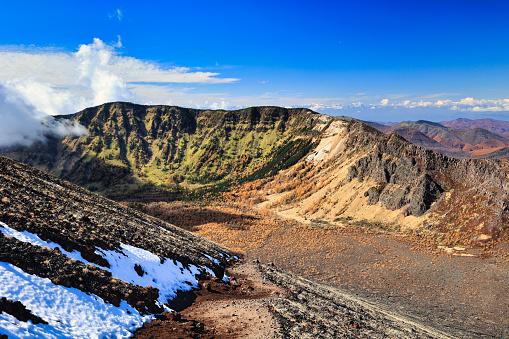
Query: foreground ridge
point(93, 255)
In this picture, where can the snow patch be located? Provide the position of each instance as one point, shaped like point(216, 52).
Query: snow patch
point(70, 312)
point(168, 276)
point(215, 261)
point(50, 183)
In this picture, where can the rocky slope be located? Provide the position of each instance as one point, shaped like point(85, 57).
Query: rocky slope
point(492, 125)
point(73, 264)
point(357, 173)
point(129, 264)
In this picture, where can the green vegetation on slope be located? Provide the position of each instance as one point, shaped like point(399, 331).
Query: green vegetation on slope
point(135, 149)
point(287, 155)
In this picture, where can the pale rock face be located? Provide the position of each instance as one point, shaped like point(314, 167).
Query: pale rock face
point(331, 144)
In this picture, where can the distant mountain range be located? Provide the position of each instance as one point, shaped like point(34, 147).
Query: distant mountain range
point(461, 138)
point(492, 125)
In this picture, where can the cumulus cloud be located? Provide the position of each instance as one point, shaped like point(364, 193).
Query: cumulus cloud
point(59, 68)
point(83, 79)
point(80, 80)
point(465, 104)
point(94, 74)
point(221, 105)
point(46, 98)
point(61, 83)
point(56, 68)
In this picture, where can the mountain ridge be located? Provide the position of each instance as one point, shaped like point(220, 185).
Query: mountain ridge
point(130, 145)
point(492, 125)
point(359, 173)
point(175, 150)
point(474, 142)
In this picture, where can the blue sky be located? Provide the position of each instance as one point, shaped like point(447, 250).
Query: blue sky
point(374, 60)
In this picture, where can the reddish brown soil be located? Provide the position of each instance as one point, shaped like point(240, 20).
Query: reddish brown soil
point(219, 310)
point(462, 295)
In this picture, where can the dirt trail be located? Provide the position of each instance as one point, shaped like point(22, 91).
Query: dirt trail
point(465, 296)
point(461, 295)
point(244, 315)
point(263, 301)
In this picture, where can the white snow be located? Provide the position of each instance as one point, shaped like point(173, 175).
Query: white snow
point(70, 312)
point(51, 183)
point(168, 276)
point(144, 222)
point(211, 259)
point(164, 229)
point(216, 261)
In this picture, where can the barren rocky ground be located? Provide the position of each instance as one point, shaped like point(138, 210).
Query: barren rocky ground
point(258, 301)
point(270, 303)
point(461, 292)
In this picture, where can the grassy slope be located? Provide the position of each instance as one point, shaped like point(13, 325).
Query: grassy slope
point(135, 148)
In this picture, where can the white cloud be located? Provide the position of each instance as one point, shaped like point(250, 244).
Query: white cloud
point(117, 15)
point(179, 96)
point(22, 123)
point(60, 83)
point(47, 99)
point(95, 76)
point(59, 68)
point(398, 110)
point(465, 104)
point(221, 105)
